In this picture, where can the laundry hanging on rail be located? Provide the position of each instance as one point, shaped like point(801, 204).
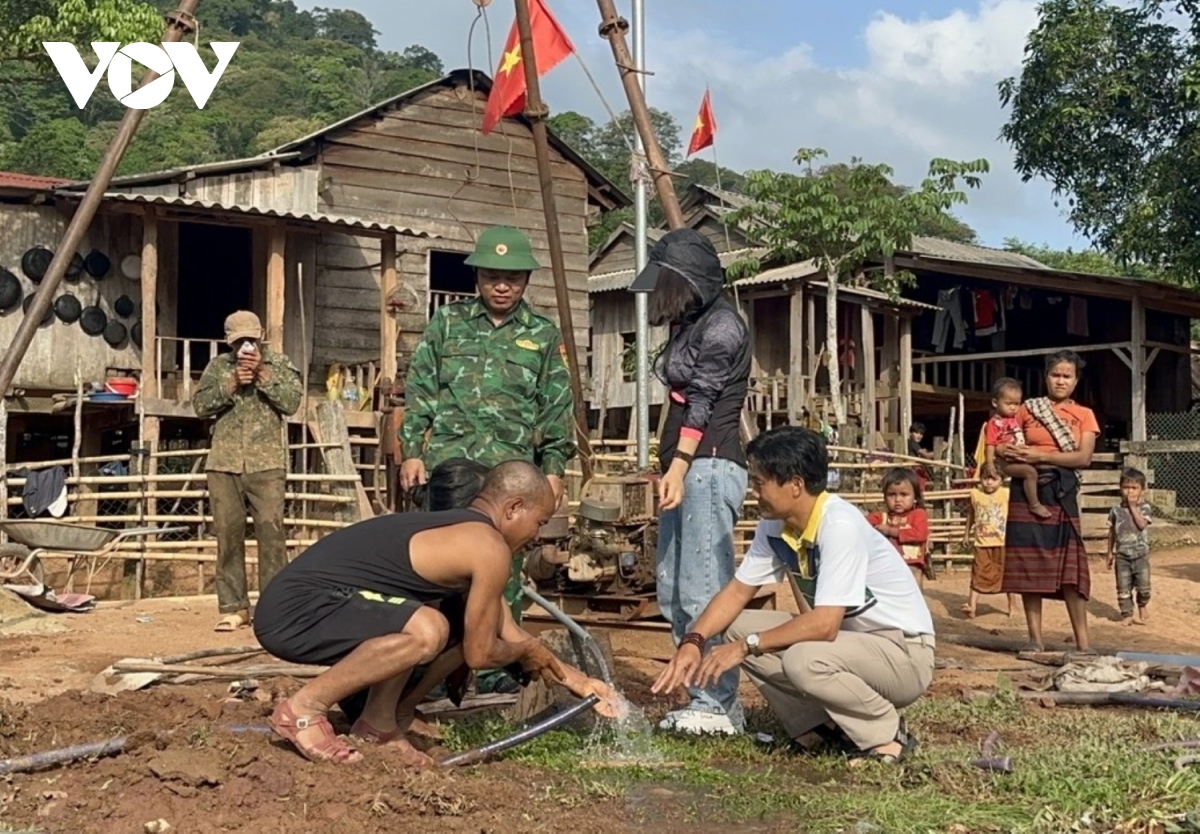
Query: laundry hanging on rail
point(949, 302)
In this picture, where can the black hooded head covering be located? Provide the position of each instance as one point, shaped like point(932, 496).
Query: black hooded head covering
point(693, 256)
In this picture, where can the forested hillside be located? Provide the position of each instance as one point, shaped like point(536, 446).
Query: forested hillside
point(294, 72)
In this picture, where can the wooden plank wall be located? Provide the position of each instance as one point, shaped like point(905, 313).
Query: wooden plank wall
point(300, 261)
point(619, 256)
point(51, 359)
point(346, 303)
point(715, 231)
point(426, 166)
point(612, 315)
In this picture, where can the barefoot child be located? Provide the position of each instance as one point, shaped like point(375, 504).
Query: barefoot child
point(1003, 427)
point(1129, 547)
point(986, 520)
point(905, 524)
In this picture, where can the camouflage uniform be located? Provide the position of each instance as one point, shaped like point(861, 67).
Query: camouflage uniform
point(247, 463)
point(489, 393)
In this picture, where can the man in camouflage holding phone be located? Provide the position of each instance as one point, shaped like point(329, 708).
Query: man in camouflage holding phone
point(251, 391)
point(489, 382)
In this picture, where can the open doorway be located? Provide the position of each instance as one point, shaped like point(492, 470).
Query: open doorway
point(216, 276)
point(450, 279)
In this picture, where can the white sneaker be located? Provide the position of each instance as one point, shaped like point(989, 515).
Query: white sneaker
point(701, 723)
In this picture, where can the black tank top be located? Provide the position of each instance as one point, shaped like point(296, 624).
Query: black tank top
point(372, 555)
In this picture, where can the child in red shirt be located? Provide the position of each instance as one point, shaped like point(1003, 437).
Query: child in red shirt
point(906, 524)
point(1003, 427)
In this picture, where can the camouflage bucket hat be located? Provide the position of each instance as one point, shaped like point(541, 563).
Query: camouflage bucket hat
point(505, 248)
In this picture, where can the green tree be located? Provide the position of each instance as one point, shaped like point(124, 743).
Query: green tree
point(346, 26)
point(942, 224)
point(1090, 261)
point(1106, 108)
point(702, 172)
point(25, 24)
point(844, 222)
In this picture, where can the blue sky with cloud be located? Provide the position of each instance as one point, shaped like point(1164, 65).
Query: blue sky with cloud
point(895, 81)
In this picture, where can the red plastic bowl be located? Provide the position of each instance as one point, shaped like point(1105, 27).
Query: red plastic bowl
point(124, 387)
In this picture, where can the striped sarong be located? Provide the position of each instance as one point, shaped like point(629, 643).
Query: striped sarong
point(1043, 556)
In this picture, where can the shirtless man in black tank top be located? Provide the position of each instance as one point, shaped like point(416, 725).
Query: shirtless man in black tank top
point(363, 599)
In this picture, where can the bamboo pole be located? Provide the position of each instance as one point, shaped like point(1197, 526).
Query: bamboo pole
point(180, 494)
point(180, 22)
point(116, 480)
point(536, 112)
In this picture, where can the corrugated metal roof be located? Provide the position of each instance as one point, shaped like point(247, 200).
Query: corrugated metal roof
point(790, 272)
point(13, 179)
point(227, 166)
point(876, 295)
point(949, 250)
point(621, 279)
point(355, 223)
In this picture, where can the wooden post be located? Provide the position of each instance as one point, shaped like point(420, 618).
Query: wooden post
point(795, 352)
point(1137, 353)
point(810, 305)
point(906, 374)
point(388, 331)
point(276, 286)
point(3, 464)
point(149, 281)
point(536, 112)
point(870, 378)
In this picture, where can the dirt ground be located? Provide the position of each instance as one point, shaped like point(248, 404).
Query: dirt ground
point(180, 766)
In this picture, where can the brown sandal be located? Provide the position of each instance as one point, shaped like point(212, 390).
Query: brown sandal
point(361, 729)
point(232, 622)
point(287, 725)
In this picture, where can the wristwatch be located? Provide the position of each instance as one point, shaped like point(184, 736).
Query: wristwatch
point(753, 642)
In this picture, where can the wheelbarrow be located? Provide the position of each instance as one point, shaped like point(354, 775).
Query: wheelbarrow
point(33, 539)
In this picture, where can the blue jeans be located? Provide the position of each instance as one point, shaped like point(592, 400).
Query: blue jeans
point(695, 559)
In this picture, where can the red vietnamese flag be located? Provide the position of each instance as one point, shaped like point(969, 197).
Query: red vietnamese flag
point(550, 46)
point(706, 127)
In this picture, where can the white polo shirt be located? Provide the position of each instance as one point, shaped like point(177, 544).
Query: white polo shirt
point(839, 560)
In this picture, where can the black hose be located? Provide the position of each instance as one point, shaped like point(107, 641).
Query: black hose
point(575, 628)
point(49, 758)
point(529, 733)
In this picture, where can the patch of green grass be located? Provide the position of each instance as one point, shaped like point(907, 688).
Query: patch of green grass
point(1074, 770)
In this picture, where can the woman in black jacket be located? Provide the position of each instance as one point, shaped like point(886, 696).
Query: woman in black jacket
point(705, 366)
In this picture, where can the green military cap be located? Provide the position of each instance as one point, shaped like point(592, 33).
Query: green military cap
point(503, 247)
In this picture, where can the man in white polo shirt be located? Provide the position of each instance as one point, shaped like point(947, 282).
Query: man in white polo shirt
point(863, 644)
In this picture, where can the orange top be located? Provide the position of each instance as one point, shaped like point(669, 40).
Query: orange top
point(1077, 418)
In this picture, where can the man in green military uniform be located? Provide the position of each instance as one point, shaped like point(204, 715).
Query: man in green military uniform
point(250, 391)
point(489, 381)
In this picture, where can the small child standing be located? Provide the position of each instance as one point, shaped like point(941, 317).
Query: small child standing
point(905, 524)
point(986, 521)
point(1003, 427)
point(1129, 547)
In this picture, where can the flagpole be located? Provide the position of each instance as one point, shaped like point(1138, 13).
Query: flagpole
point(717, 170)
point(641, 301)
point(535, 112)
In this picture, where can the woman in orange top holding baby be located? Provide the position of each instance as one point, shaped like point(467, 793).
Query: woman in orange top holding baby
point(905, 524)
point(1045, 558)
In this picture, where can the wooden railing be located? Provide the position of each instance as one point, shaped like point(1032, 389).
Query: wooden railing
point(959, 373)
point(768, 396)
point(439, 298)
point(180, 362)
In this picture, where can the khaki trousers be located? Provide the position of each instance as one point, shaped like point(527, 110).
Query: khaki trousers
point(858, 680)
point(229, 494)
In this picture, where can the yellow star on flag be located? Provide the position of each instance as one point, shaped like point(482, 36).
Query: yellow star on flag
point(699, 123)
point(511, 59)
